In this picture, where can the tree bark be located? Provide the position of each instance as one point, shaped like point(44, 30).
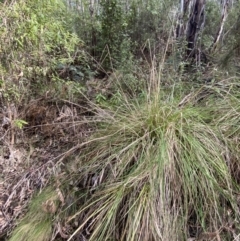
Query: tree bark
point(225, 4)
point(190, 21)
point(195, 24)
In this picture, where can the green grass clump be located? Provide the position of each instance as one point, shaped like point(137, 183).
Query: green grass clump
point(37, 223)
point(157, 170)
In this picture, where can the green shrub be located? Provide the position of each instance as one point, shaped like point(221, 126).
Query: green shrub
point(36, 37)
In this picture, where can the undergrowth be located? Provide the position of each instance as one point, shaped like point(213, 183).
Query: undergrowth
point(37, 223)
point(160, 169)
point(145, 149)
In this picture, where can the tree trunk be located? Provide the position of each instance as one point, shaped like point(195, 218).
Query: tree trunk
point(195, 24)
point(191, 21)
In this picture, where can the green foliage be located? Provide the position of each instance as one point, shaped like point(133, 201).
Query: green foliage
point(142, 22)
point(112, 22)
point(20, 123)
point(213, 12)
point(231, 42)
point(116, 29)
point(36, 36)
point(41, 26)
point(113, 26)
point(101, 99)
point(37, 223)
point(228, 47)
point(149, 22)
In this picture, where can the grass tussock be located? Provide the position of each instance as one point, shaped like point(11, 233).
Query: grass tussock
point(37, 223)
point(157, 169)
point(159, 158)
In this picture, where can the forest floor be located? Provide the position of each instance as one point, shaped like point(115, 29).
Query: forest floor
point(30, 156)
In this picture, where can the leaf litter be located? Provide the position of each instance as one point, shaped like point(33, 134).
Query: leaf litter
point(31, 156)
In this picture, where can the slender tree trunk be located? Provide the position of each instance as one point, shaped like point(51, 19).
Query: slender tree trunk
point(191, 21)
point(195, 24)
point(225, 4)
